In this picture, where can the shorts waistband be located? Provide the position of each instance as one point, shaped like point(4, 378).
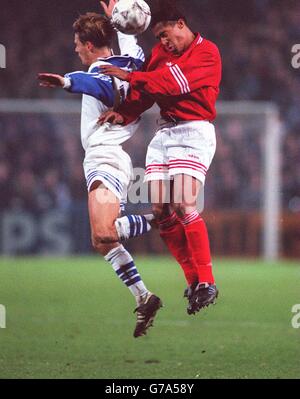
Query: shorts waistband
point(105, 145)
point(171, 122)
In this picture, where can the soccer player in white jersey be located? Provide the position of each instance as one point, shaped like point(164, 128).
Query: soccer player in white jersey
point(108, 168)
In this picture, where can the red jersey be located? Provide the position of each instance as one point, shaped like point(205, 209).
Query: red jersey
point(185, 87)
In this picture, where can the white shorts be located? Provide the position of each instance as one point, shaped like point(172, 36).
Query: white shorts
point(183, 148)
point(111, 165)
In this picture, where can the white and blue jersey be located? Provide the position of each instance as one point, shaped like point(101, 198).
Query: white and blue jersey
point(105, 160)
point(101, 92)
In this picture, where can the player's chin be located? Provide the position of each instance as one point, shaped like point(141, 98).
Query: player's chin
point(83, 61)
point(177, 51)
point(172, 50)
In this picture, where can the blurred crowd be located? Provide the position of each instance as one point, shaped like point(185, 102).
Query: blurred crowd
point(40, 166)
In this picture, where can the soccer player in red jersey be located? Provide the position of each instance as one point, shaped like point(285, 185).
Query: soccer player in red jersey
point(182, 76)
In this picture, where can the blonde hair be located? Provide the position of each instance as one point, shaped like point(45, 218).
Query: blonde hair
point(94, 28)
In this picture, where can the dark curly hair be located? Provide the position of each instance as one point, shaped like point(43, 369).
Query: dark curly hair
point(166, 11)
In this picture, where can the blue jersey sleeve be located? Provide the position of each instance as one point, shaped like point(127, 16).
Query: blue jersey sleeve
point(93, 84)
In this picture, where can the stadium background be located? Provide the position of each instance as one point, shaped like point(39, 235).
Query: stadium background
point(68, 316)
point(40, 159)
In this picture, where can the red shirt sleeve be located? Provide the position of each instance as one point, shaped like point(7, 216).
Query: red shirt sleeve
point(136, 102)
point(134, 105)
point(202, 68)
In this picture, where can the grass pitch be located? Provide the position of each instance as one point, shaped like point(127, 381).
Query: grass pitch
point(72, 318)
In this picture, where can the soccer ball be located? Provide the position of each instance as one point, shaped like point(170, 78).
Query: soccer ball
point(131, 16)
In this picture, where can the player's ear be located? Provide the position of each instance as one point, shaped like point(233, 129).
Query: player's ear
point(89, 46)
point(181, 23)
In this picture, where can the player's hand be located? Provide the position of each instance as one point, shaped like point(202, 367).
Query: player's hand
point(108, 8)
point(51, 80)
point(111, 117)
point(112, 70)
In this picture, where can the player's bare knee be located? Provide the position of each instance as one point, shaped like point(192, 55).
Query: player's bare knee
point(157, 210)
point(160, 211)
point(103, 249)
point(104, 237)
point(180, 210)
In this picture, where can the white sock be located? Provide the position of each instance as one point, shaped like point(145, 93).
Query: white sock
point(124, 266)
point(133, 226)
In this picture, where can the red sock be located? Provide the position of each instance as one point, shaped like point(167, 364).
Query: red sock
point(172, 233)
point(198, 241)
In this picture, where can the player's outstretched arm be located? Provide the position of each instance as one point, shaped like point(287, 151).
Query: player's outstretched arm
point(51, 80)
point(92, 84)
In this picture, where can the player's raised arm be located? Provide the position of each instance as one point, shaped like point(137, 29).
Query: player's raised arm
point(128, 44)
point(108, 8)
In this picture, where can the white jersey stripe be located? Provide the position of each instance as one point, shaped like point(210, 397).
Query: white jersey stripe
point(179, 76)
point(183, 78)
point(180, 84)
